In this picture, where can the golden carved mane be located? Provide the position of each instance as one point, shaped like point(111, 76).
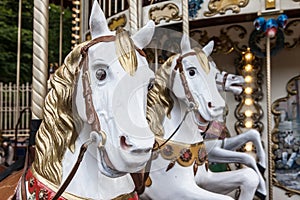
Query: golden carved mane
point(159, 101)
point(58, 131)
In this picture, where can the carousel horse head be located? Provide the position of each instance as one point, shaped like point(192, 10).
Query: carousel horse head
point(191, 79)
point(98, 94)
point(194, 82)
point(229, 82)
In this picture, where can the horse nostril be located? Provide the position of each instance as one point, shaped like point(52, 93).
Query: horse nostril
point(123, 143)
point(210, 105)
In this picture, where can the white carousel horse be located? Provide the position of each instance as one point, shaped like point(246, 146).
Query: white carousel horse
point(98, 97)
point(223, 150)
point(178, 104)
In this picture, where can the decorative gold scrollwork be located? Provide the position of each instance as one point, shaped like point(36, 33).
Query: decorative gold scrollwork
point(223, 43)
point(256, 95)
point(117, 22)
point(165, 12)
point(221, 6)
point(290, 32)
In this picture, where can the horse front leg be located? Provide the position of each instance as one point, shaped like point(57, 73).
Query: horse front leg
point(224, 182)
point(220, 155)
point(253, 136)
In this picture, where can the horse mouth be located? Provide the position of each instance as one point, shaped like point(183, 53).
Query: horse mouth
point(127, 146)
point(237, 85)
point(199, 120)
point(109, 169)
point(124, 144)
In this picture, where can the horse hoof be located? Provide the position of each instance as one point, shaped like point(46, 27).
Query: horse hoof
point(260, 195)
point(261, 169)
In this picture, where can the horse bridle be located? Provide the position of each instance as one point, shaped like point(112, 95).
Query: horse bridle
point(185, 85)
point(187, 91)
point(92, 117)
point(192, 104)
point(223, 83)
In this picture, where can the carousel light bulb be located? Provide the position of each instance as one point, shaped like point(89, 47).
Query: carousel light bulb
point(248, 113)
point(76, 2)
point(75, 10)
point(248, 56)
point(249, 146)
point(248, 101)
point(248, 90)
point(76, 28)
point(248, 79)
point(75, 36)
point(248, 67)
point(248, 124)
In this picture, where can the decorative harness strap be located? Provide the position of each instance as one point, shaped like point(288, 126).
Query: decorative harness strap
point(179, 67)
point(91, 114)
point(182, 153)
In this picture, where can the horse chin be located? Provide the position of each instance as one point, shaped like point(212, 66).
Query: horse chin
point(236, 89)
point(106, 167)
point(200, 120)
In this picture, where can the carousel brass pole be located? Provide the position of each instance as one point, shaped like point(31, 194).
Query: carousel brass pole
point(270, 161)
point(40, 63)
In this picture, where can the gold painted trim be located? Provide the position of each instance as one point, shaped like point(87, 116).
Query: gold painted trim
point(270, 4)
point(256, 96)
point(68, 195)
point(168, 12)
point(221, 6)
point(117, 22)
point(54, 187)
point(174, 150)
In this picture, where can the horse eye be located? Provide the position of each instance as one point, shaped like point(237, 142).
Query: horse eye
point(100, 74)
point(192, 72)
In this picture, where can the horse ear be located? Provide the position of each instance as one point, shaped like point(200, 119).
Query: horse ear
point(185, 44)
point(98, 24)
point(208, 48)
point(177, 86)
point(144, 36)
